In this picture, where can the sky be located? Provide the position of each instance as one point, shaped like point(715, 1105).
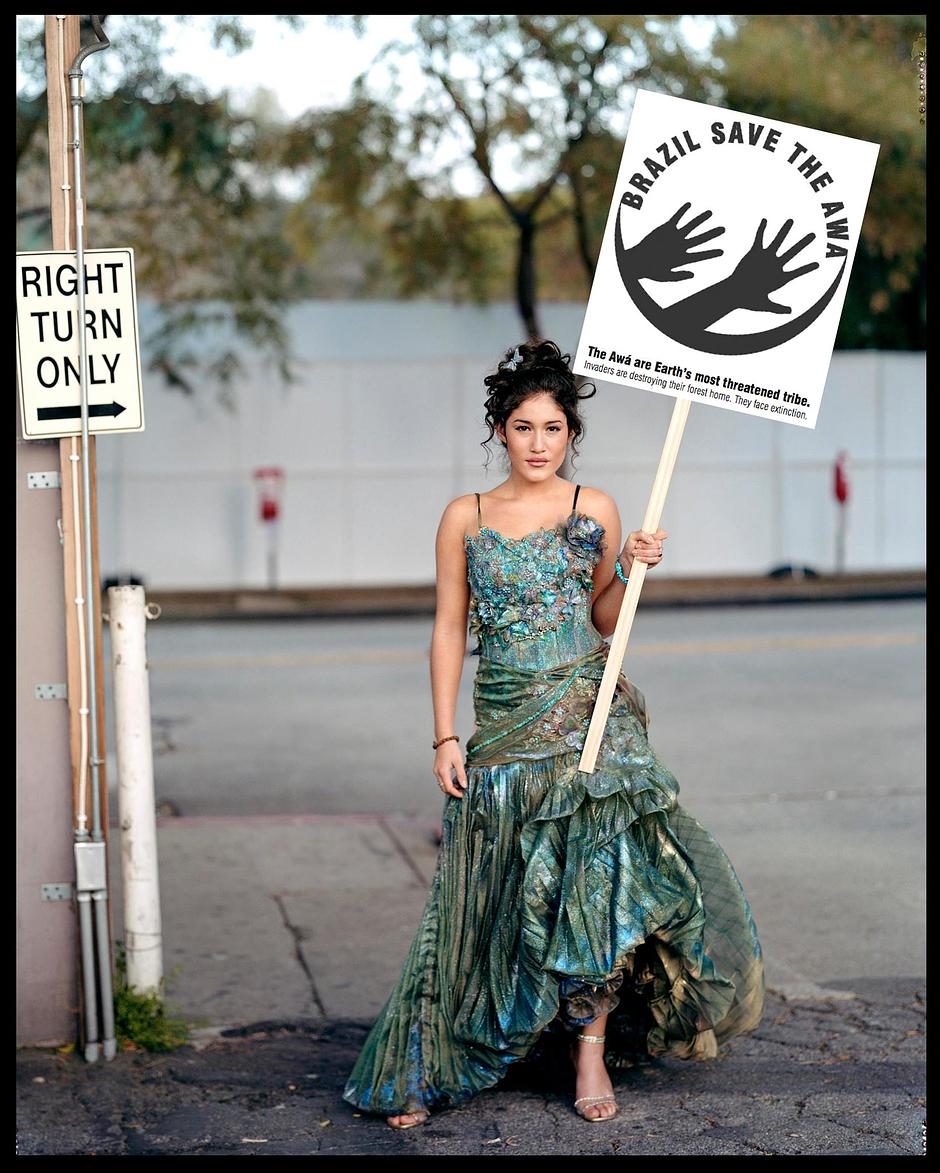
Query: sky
point(282, 60)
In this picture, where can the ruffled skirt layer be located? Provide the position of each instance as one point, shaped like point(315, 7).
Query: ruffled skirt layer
point(557, 896)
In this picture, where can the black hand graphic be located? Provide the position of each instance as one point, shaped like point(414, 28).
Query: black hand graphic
point(760, 271)
point(669, 246)
point(687, 321)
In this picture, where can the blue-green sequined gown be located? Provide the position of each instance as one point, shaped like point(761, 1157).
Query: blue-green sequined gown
point(558, 895)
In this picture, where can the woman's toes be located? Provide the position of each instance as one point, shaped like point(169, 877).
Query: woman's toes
point(406, 1118)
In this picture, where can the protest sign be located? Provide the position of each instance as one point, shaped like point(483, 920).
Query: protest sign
point(726, 258)
point(721, 280)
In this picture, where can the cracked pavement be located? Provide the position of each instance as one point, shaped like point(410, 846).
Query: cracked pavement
point(841, 1076)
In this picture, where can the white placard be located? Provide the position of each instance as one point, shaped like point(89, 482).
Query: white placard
point(47, 343)
point(726, 258)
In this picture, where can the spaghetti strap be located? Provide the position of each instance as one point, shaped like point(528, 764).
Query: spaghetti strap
point(479, 516)
point(574, 503)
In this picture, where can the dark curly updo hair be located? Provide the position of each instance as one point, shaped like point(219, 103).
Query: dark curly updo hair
point(528, 369)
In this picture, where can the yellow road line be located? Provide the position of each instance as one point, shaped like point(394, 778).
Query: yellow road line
point(413, 656)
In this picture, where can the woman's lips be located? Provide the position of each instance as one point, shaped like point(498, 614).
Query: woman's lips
point(536, 462)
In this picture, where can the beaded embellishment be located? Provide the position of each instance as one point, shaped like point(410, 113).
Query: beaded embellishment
point(522, 587)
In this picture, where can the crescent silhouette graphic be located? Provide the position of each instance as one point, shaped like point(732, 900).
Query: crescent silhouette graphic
point(706, 340)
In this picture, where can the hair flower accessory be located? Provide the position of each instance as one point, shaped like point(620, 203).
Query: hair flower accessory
point(516, 359)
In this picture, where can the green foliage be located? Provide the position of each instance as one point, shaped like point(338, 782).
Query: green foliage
point(140, 1018)
point(187, 182)
point(533, 89)
point(552, 90)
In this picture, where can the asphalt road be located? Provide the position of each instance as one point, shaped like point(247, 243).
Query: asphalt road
point(797, 734)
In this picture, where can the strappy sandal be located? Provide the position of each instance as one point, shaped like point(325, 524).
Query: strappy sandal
point(594, 1100)
point(422, 1119)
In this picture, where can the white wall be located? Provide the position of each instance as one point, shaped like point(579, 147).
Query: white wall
point(384, 428)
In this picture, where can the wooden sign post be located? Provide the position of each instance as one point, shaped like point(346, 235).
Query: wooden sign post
point(618, 643)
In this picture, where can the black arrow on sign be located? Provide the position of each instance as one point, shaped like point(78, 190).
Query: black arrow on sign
point(68, 413)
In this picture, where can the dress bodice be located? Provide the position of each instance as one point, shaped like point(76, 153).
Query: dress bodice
point(530, 597)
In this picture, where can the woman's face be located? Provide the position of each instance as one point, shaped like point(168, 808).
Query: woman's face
point(536, 436)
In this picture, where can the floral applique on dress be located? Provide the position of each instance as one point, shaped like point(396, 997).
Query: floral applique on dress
point(523, 587)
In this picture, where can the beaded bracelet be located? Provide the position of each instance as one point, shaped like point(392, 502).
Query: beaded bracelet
point(620, 573)
point(453, 737)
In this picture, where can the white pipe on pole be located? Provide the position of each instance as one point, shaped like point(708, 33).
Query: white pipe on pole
point(90, 857)
point(143, 933)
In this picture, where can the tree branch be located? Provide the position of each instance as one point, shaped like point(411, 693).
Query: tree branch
point(480, 155)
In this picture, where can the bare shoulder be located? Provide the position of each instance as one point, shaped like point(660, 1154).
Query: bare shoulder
point(459, 516)
point(599, 505)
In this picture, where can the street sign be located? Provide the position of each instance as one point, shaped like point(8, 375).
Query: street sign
point(47, 343)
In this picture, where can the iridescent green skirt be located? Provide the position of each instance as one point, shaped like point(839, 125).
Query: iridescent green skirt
point(560, 895)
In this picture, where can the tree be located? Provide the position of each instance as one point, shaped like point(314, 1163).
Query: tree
point(180, 176)
point(550, 89)
point(552, 92)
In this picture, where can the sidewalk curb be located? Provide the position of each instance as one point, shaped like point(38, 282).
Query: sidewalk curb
point(384, 602)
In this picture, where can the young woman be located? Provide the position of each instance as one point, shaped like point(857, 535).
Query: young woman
point(563, 903)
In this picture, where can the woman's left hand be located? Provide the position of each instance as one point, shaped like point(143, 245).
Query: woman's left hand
point(644, 546)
